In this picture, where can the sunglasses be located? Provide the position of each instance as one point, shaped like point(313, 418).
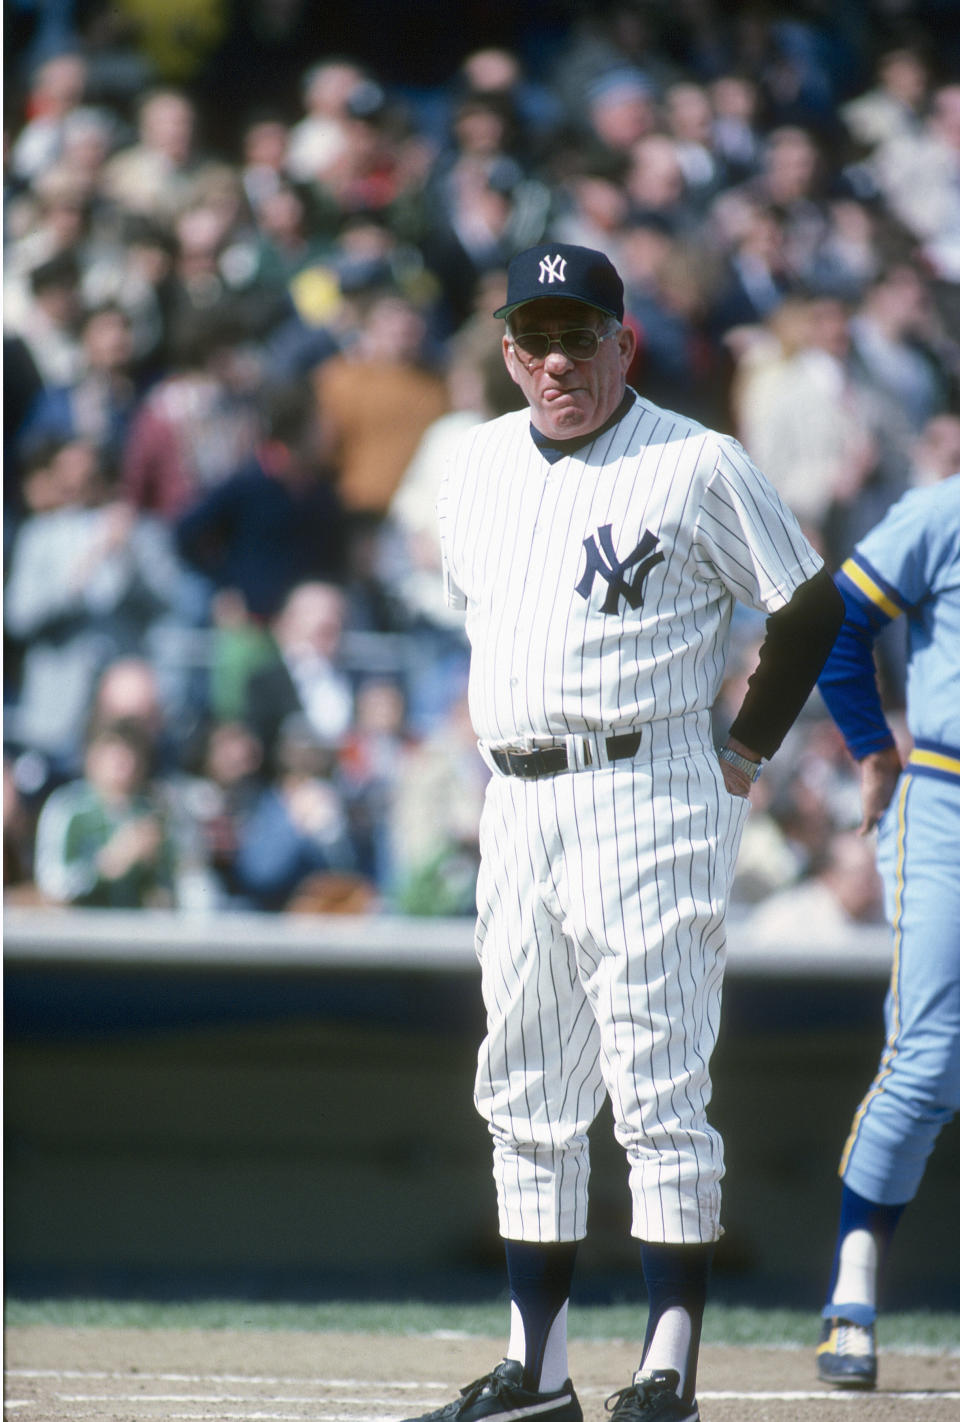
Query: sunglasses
point(581, 343)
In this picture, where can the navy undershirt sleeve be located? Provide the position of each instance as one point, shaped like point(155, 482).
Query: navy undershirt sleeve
point(848, 682)
point(797, 641)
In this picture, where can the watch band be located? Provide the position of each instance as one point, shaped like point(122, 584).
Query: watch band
point(750, 768)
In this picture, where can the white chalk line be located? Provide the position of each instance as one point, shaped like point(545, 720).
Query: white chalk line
point(333, 1395)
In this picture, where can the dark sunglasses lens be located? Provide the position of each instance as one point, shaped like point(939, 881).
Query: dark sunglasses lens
point(535, 344)
point(581, 344)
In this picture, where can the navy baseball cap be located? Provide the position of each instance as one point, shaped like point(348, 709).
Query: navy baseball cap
point(561, 269)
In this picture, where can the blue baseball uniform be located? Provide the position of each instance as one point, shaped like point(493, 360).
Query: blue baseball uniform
point(909, 565)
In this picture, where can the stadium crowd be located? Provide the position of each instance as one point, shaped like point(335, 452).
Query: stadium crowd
point(247, 284)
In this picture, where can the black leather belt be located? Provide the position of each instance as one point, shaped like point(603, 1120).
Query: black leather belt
point(552, 760)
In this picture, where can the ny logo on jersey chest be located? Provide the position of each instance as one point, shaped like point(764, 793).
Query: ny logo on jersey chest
point(605, 562)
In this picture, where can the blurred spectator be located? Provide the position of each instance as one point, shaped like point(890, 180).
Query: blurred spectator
point(156, 176)
point(479, 388)
point(690, 123)
point(296, 833)
point(620, 108)
point(591, 206)
point(894, 106)
point(610, 39)
point(284, 242)
point(381, 166)
point(152, 698)
point(756, 278)
point(273, 522)
point(894, 338)
point(844, 891)
point(305, 677)
point(263, 160)
point(812, 420)
point(736, 130)
point(133, 688)
point(195, 426)
point(919, 178)
point(89, 580)
point(219, 800)
point(215, 270)
point(102, 841)
point(657, 187)
point(375, 401)
point(792, 180)
point(538, 111)
point(90, 135)
point(435, 819)
point(371, 759)
point(53, 222)
point(481, 205)
point(667, 289)
point(936, 452)
point(56, 89)
point(98, 405)
point(47, 320)
point(138, 278)
point(318, 140)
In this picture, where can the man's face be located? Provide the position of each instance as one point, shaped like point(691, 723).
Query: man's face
point(568, 397)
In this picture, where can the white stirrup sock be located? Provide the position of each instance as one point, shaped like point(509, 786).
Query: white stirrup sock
point(555, 1368)
point(670, 1345)
point(857, 1274)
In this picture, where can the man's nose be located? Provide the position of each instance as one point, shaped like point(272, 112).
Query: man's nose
point(556, 354)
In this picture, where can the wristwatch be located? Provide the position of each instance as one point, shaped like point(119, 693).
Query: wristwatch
point(750, 768)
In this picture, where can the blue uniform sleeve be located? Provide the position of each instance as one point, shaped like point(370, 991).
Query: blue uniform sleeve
point(848, 682)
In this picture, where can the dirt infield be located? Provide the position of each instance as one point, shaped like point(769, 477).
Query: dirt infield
point(134, 1375)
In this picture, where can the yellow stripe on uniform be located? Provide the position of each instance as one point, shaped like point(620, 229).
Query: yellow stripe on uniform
point(890, 1051)
point(852, 569)
point(935, 760)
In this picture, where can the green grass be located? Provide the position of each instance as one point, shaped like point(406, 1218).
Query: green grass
point(724, 1324)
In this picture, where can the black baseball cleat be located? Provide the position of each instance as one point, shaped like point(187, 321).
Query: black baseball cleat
point(652, 1397)
point(847, 1354)
point(501, 1397)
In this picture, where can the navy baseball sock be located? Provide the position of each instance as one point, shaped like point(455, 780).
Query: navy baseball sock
point(879, 1221)
point(676, 1276)
point(540, 1276)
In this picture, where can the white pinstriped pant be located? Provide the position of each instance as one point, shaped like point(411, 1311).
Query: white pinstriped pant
point(601, 900)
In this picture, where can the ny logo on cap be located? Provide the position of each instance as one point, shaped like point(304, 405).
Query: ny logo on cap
point(552, 269)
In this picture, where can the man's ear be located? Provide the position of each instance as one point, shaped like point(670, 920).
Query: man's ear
point(627, 342)
point(510, 359)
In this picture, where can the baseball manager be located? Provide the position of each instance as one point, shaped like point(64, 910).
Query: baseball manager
point(598, 545)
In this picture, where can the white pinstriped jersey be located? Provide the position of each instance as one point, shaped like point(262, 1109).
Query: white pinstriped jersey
point(599, 589)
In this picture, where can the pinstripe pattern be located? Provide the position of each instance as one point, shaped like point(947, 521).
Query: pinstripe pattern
point(601, 894)
point(546, 661)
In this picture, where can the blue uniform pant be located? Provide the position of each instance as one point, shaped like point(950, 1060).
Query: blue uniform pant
point(917, 1087)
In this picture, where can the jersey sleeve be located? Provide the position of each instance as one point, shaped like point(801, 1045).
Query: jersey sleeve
point(904, 558)
point(748, 536)
point(893, 569)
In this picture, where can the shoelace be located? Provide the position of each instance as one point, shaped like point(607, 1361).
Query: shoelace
point(493, 1383)
point(628, 1401)
point(853, 1341)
